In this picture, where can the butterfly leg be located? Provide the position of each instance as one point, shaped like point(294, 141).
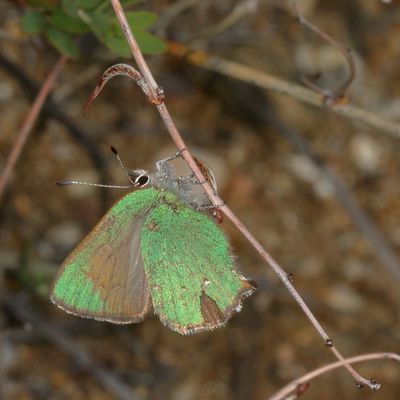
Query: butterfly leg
point(209, 206)
point(214, 209)
point(191, 179)
point(160, 164)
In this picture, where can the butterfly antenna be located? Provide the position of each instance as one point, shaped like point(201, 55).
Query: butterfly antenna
point(114, 150)
point(70, 182)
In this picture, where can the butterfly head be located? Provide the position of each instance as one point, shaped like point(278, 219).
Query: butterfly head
point(163, 177)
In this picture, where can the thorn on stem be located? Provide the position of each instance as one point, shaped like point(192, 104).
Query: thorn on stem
point(360, 385)
point(302, 388)
point(375, 385)
point(159, 96)
point(290, 276)
point(217, 215)
point(328, 343)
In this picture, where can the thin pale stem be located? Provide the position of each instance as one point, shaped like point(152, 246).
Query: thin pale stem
point(177, 138)
point(292, 386)
point(136, 52)
point(29, 123)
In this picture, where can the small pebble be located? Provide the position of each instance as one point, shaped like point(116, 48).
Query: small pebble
point(366, 153)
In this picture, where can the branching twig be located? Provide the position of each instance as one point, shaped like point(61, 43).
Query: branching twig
point(29, 122)
point(124, 70)
point(330, 96)
point(292, 386)
point(263, 80)
point(217, 200)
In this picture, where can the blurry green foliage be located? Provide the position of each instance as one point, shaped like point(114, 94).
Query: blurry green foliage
point(62, 21)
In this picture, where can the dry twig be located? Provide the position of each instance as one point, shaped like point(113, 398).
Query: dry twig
point(173, 131)
point(29, 123)
point(331, 97)
point(52, 110)
point(263, 80)
point(292, 386)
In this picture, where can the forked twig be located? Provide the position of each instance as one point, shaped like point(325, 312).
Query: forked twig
point(266, 81)
point(330, 96)
point(293, 386)
point(29, 123)
point(215, 199)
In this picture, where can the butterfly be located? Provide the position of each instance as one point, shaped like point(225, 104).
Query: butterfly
point(154, 250)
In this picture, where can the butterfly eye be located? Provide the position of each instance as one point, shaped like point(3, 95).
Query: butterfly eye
point(142, 180)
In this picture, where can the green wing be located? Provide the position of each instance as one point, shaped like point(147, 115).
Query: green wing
point(103, 278)
point(193, 282)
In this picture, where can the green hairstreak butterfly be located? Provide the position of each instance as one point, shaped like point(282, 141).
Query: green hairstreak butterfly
point(153, 250)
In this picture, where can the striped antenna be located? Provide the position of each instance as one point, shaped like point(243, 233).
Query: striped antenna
point(70, 182)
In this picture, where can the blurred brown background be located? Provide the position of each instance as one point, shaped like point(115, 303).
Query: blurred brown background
point(257, 142)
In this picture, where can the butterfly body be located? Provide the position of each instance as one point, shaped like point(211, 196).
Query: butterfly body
point(152, 251)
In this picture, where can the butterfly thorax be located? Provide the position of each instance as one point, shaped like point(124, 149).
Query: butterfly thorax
point(175, 191)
